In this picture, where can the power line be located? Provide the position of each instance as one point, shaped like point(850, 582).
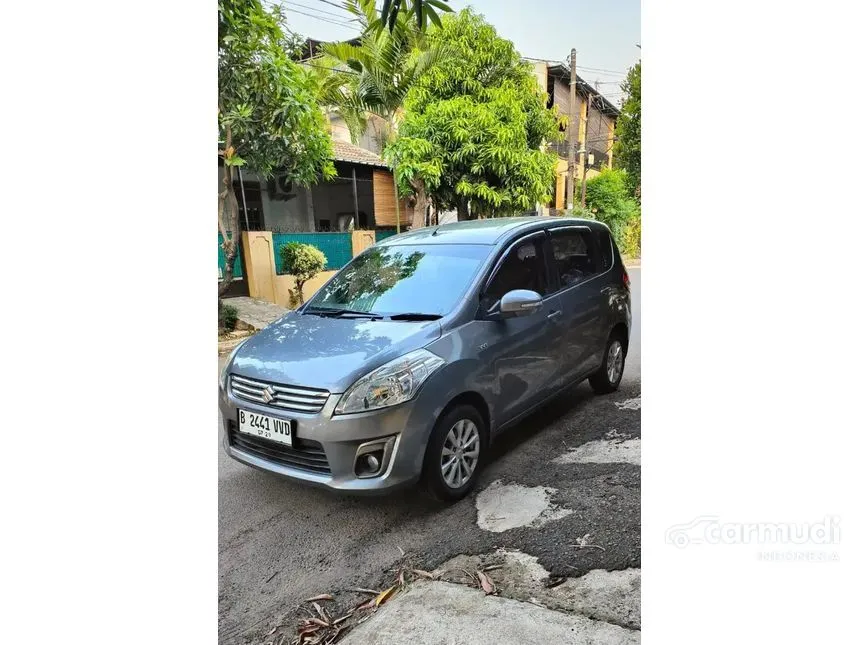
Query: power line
point(607, 71)
point(334, 4)
point(322, 11)
point(332, 21)
point(578, 67)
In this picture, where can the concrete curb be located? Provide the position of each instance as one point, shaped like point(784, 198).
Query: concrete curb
point(443, 612)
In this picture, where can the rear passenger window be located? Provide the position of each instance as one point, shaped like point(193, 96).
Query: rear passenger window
point(575, 256)
point(522, 268)
point(606, 249)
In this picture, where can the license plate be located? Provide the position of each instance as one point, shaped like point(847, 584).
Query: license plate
point(259, 425)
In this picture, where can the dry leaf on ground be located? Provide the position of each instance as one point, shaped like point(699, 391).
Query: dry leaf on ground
point(486, 583)
point(385, 595)
point(322, 596)
point(423, 574)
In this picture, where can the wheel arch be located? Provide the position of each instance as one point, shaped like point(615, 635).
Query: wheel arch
point(477, 401)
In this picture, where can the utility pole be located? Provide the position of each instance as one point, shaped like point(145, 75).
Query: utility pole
point(585, 151)
point(571, 142)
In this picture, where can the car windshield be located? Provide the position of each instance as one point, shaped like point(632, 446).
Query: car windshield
point(422, 280)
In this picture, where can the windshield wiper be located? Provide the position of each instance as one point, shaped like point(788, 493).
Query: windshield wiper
point(414, 316)
point(337, 313)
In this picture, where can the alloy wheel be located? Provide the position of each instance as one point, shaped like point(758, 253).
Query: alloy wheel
point(614, 361)
point(460, 452)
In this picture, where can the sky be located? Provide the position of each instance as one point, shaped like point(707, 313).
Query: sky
point(604, 32)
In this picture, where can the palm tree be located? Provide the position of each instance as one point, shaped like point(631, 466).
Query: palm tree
point(422, 9)
point(373, 77)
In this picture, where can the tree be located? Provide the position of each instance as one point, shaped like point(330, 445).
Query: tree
point(268, 118)
point(628, 148)
point(303, 262)
point(475, 125)
point(607, 198)
point(422, 10)
point(374, 77)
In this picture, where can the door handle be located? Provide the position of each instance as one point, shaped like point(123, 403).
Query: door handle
point(554, 314)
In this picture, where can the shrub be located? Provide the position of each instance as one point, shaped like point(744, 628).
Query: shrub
point(631, 238)
point(607, 197)
point(227, 317)
point(303, 262)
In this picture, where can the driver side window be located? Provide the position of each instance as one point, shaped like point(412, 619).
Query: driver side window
point(522, 268)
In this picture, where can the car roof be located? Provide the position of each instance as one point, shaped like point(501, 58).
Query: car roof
point(492, 232)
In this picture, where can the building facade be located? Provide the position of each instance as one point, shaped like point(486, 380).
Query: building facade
point(589, 135)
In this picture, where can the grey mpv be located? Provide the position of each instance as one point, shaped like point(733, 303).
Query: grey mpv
point(408, 362)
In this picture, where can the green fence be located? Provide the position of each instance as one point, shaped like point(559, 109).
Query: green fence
point(222, 259)
point(337, 247)
point(381, 234)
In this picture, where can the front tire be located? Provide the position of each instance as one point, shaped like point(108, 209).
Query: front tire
point(608, 377)
point(455, 453)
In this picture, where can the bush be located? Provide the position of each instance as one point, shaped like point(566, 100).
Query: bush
point(607, 197)
point(303, 262)
point(631, 238)
point(227, 317)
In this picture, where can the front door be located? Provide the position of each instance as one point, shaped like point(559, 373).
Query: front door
point(522, 351)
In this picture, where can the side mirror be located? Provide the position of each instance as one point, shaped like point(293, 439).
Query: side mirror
point(520, 302)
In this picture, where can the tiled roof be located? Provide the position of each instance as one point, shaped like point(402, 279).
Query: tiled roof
point(344, 151)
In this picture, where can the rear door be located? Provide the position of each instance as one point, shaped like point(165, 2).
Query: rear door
point(523, 350)
point(577, 263)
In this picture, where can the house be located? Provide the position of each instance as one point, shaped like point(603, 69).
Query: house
point(596, 138)
point(360, 196)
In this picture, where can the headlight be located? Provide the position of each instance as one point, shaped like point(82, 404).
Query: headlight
point(225, 370)
point(393, 383)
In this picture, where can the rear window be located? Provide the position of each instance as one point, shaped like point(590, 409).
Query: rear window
point(607, 251)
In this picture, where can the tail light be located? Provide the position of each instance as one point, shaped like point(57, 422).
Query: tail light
point(625, 277)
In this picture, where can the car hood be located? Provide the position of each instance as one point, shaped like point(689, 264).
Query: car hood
point(327, 353)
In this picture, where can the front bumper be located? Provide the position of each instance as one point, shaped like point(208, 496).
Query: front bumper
point(338, 438)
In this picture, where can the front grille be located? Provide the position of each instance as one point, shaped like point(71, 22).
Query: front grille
point(304, 454)
point(292, 397)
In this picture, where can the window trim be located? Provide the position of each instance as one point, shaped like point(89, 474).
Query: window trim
point(539, 234)
point(576, 227)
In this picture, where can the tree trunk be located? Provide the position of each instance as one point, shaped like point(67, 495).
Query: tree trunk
point(396, 197)
point(462, 211)
point(419, 216)
point(231, 225)
point(228, 219)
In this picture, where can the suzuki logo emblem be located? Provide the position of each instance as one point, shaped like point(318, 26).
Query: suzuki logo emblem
point(268, 394)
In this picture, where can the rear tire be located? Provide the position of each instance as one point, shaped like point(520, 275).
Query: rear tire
point(608, 377)
point(455, 453)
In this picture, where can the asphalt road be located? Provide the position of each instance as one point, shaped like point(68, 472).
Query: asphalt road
point(280, 542)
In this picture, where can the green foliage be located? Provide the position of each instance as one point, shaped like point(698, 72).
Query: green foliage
point(421, 10)
point(267, 111)
point(227, 317)
point(606, 196)
point(303, 262)
point(474, 125)
point(631, 237)
point(374, 76)
point(628, 148)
